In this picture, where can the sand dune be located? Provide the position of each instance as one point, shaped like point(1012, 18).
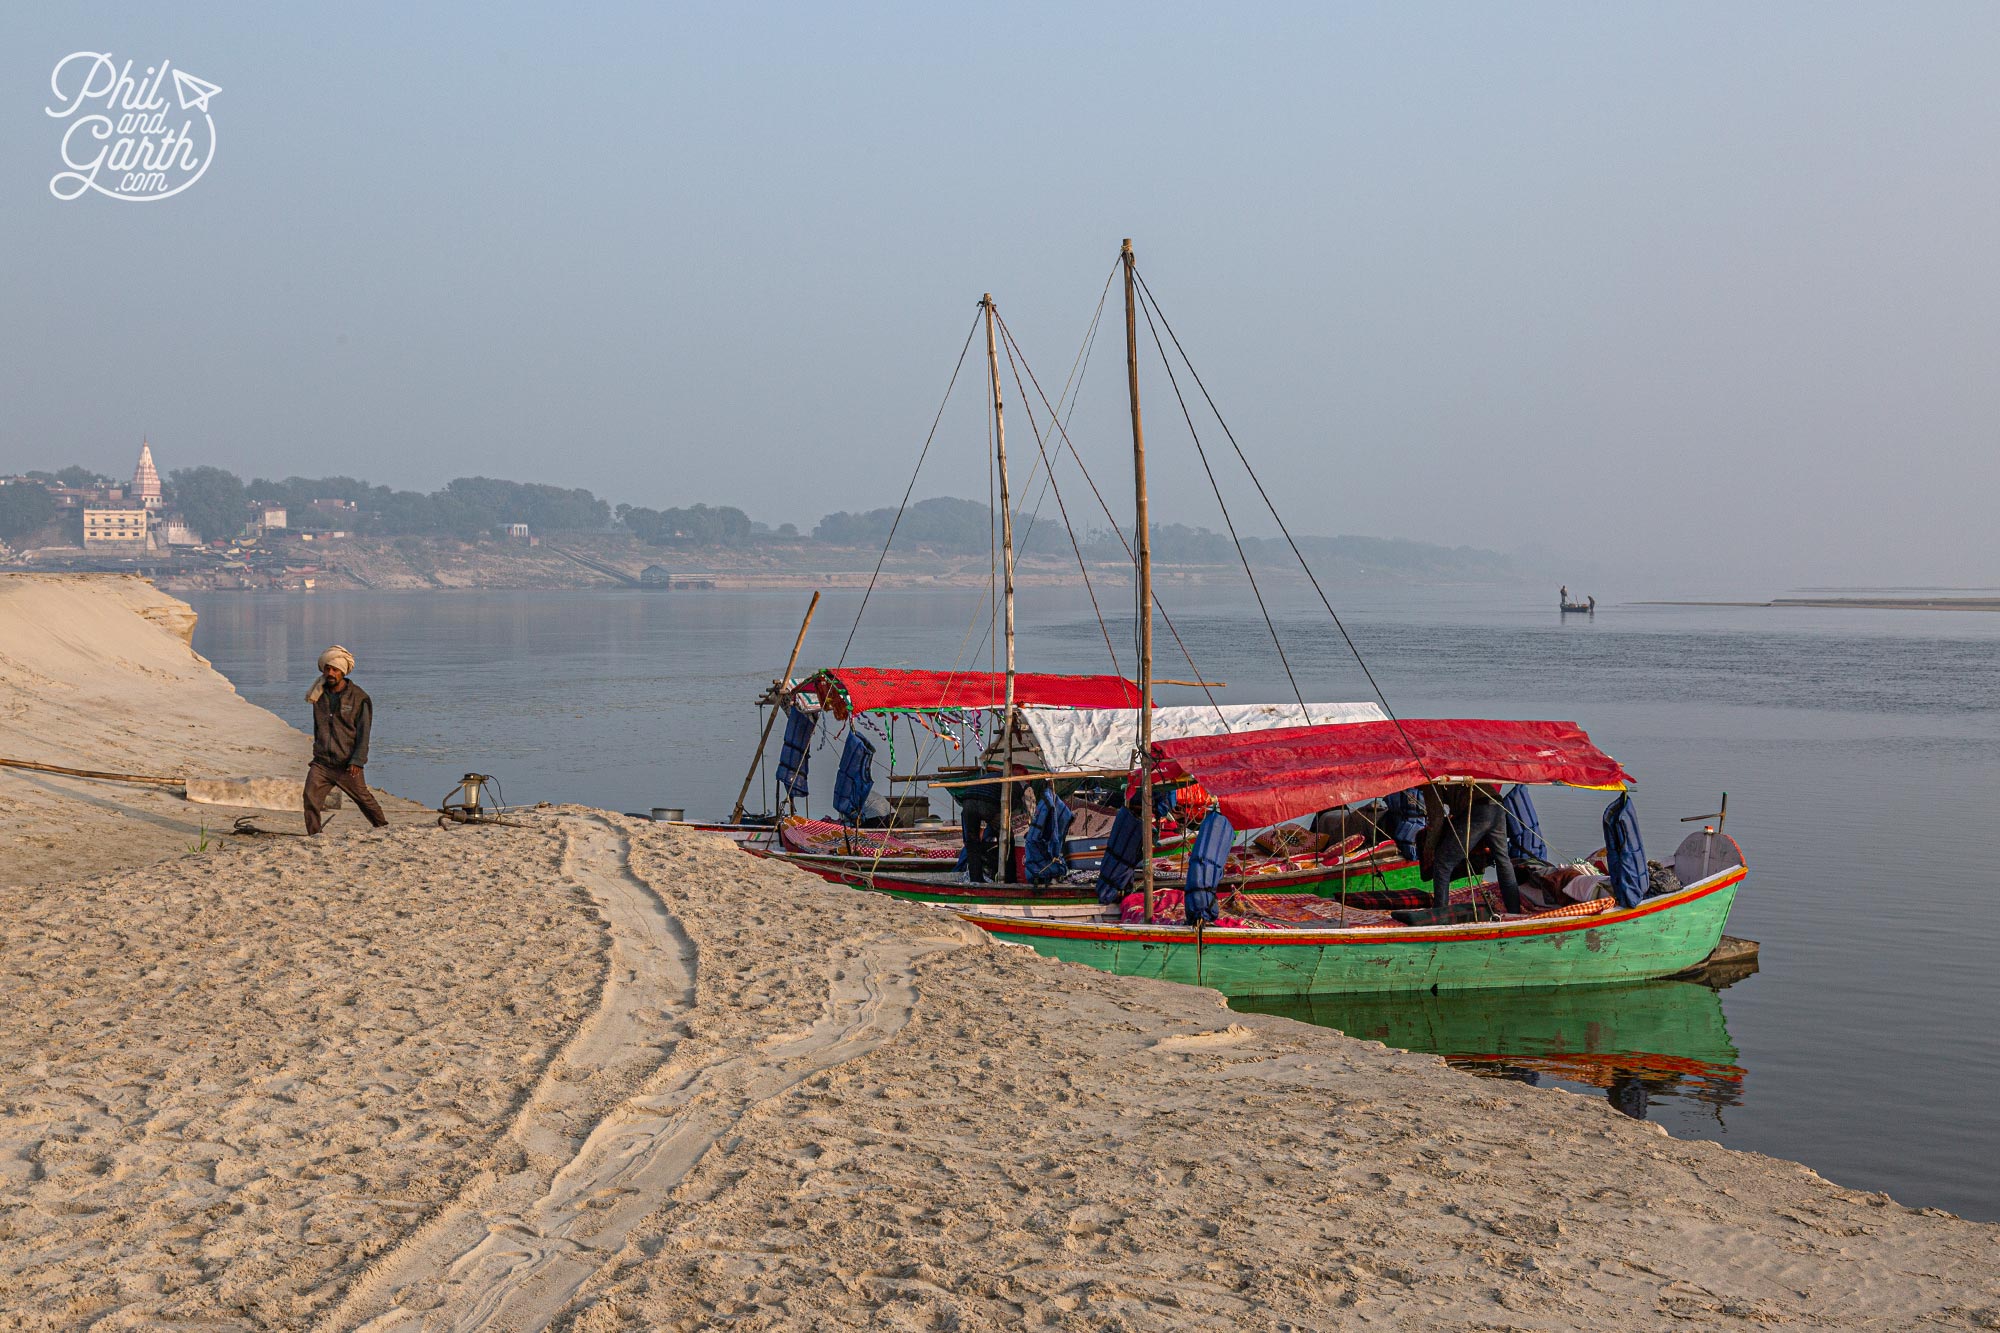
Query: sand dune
point(594, 1074)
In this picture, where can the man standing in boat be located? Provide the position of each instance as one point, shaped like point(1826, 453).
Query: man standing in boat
point(1467, 818)
point(342, 717)
point(979, 821)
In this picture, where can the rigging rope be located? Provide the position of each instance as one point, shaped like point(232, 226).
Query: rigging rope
point(1276, 517)
point(938, 735)
point(1227, 521)
point(1034, 428)
point(907, 491)
point(1118, 532)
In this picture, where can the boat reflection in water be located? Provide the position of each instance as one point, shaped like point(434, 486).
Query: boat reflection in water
point(1637, 1042)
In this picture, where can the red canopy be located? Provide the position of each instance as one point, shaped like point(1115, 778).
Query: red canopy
point(846, 690)
point(1265, 777)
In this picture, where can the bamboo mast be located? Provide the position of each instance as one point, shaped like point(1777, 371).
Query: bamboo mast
point(1007, 583)
point(784, 682)
point(1145, 591)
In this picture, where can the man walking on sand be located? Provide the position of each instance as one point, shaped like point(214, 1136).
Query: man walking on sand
point(342, 714)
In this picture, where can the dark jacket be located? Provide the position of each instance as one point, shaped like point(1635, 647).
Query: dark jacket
point(341, 719)
point(1467, 818)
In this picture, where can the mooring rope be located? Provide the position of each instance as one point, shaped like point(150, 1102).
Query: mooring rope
point(907, 491)
point(1228, 522)
point(1034, 427)
point(1119, 533)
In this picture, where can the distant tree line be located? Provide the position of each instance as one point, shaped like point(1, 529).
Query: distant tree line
point(24, 510)
point(700, 525)
point(959, 526)
point(216, 503)
point(465, 507)
point(75, 478)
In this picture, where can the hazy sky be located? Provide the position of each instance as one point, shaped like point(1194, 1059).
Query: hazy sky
point(1707, 292)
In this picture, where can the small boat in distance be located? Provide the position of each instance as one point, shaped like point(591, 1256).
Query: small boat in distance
point(1586, 607)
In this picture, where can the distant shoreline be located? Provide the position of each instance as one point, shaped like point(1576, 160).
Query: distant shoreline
point(1860, 603)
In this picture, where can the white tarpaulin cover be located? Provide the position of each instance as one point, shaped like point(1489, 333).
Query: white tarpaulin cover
point(1081, 739)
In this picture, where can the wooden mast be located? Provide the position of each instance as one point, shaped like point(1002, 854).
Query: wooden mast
point(1007, 582)
point(783, 683)
point(1145, 590)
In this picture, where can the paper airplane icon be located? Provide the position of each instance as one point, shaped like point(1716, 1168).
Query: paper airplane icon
point(194, 93)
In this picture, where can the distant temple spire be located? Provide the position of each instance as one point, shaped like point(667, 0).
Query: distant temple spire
point(146, 481)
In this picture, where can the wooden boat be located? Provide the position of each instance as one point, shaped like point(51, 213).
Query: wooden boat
point(1592, 943)
point(1059, 727)
point(861, 867)
point(823, 841)
point(1368, 881)
point(757, 836)
point(1262, 778)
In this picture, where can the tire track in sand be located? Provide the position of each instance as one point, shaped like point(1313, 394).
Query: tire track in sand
point(511, 1262)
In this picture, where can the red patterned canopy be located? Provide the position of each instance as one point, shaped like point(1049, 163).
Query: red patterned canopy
point(845, 690)
point(1262, 778)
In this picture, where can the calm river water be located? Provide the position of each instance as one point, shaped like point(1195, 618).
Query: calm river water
point(1860, 750)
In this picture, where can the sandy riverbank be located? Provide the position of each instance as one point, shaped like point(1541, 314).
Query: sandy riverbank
point(96, 673)
point(596, 1074)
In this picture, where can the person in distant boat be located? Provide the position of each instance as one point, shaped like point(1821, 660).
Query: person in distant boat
point(1467, 818)
point(342, 716)
point(1564, 594)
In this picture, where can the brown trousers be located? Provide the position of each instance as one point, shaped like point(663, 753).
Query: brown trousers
point(321, 779)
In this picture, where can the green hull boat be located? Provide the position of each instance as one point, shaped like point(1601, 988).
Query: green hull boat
point(1657, 938)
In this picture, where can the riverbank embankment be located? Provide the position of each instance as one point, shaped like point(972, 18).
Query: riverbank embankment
point(97, 674)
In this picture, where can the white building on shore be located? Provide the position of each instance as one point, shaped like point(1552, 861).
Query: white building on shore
point(120, 531)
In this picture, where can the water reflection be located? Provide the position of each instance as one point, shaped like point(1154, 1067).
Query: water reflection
point(1636, 1043)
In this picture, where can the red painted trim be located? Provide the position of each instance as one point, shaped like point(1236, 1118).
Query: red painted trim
point(1374, 935)
point(1000, 893)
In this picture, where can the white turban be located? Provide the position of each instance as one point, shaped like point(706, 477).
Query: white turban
point(335, 656)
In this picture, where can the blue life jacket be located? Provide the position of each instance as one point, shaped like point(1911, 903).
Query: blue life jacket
point(797, 750)
point(1048, 839)
point(856, 777)
point(1524, 826)
point(1206, 862)
point(1624, 854)
point(1403, 814)
point(1120, 860)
